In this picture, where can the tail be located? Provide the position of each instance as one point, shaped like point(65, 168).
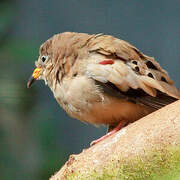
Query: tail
point(157, 102)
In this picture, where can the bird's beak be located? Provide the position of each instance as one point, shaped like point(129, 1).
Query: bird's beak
point(35, 75)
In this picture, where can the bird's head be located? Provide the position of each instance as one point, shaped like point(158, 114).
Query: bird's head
point(57, 55)
point(43, 65)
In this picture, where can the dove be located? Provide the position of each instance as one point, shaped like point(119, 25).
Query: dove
point(102, 80)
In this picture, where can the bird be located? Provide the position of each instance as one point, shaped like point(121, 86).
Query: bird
point(102, 80)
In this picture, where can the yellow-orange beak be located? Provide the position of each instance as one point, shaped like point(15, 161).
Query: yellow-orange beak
point(35, 75)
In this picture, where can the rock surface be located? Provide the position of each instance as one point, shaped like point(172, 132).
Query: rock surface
point(155, 131)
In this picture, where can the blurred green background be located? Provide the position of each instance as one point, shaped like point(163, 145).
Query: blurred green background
point(36, 135)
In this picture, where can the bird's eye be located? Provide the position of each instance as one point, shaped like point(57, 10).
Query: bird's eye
point(43, 58)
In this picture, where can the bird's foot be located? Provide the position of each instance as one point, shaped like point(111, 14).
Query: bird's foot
point(117, 128)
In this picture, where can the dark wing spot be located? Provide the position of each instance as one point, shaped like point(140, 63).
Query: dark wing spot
point(134, 62)
point(150, 75)
point(57, 76)
point(137, 68)
point(151, 65)
point(163, 79)
point(75, 74)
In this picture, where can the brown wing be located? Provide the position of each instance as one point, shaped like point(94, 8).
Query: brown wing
point(130, 68)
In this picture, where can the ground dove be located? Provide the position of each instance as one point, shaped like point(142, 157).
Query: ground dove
point(101, 79)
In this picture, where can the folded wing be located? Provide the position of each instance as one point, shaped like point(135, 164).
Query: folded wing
point(130, 69)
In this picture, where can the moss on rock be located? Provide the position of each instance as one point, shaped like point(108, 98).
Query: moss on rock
point(157, 164)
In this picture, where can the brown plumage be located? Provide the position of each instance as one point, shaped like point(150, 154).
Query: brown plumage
point(103, 80)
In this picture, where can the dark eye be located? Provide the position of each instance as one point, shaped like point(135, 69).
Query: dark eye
point(43, 58)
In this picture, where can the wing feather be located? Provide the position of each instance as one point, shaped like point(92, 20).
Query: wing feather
point(131, 68)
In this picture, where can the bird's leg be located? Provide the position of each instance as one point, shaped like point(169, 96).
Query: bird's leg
point(110, 128)
point(110, 132)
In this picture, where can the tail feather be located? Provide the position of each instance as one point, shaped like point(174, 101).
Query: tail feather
point(138, 95)
point(157, 102)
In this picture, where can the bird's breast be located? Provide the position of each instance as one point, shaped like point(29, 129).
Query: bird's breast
point(82, 99)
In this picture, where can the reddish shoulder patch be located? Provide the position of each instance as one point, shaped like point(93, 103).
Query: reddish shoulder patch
point(107, 61)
